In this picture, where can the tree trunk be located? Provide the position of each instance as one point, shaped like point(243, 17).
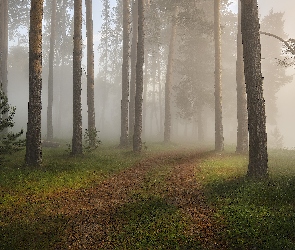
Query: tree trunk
point(258, 157)
point(77, 73)
point(4, 45)
point(33, 135)
point(133, 67)
point(242, 130)
point(125, 76)
point(219, 140)
point(90, 74)
point(50, 75)
point(137, 142)
point(168, 85)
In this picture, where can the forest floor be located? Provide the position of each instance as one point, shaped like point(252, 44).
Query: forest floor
point(166, 199)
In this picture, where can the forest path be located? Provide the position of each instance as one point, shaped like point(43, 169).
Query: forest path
point(96, 215)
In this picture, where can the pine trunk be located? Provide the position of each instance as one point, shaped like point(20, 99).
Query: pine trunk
point(4, 45)
point(168, 84)
point(125, 76)
point(90, 74)
point(137, 142)
point(77, 72)
point(50, 75)
point(33, 135)
point(219, 140)
point(133, 67)
point(258, 157)
point(242, 117)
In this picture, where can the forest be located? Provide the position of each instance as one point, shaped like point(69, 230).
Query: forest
point(147, 124)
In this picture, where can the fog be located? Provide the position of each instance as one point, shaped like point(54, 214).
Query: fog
point(108, 85)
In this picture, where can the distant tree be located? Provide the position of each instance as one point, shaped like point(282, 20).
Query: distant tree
point(33, 136)
point(242, 118)
point(258, 157)
point(125, 75)
point(219, 140)
point(77, 73)
point(271, 51)
point(137, 142)
point(90, 74)
point(50, 75)
point(169, 72)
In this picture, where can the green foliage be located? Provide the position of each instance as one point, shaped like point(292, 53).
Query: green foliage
point(9, 142)
point(91, 135)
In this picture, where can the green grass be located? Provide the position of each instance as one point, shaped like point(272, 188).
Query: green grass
point(255, 214)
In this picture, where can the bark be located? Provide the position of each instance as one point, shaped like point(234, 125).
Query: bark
point(90, 74)
point(33, 135)
point(50, 75)
point(258, 157)
point(242, 116)
point(77, 73)
point(168, 84)
point(4, 45)
point(133, 67)
point(125, 76)
point(137, 142)
point(219, 140)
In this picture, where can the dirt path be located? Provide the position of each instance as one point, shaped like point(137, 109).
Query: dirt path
point(91, 210)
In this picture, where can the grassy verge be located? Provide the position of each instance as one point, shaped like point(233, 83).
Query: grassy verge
point(255, 214)
point(28, 219)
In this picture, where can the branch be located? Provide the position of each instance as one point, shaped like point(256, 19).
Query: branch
point(281, 39)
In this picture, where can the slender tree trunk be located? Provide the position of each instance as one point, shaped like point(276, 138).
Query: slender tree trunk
point(242, 116)
point(168, 85)
point(33, 135)
point(200, 124)
point(137, 142)
point(258, 157)
point(4, 45)
point(50, 75)
point(125, 76)
point(77, 73)
point(219, 140)
point(90, 74)
point(133, 67)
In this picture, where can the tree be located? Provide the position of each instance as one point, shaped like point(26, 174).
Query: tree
point(9, 142)
point(125, 76)
point(77, 73)
point(242, 130)
point(50, 75)
point(137, 142)
point(219, 140)
point(90, 74)
point(33, 136)
point(258, 157)
point(3, 44)
point(133, 57)
point(168, 84)
point(271, 51)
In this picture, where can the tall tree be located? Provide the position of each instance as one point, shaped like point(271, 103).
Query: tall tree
point(137, 142)
point(50, 75)
point(33, 136)
point(125, 76)
point(168, 84)
point(219, 140)
point(3, 44)
point(77, 73)
point(258, 157)
point(133, 57)
point(242, 130)
point(90, 74)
